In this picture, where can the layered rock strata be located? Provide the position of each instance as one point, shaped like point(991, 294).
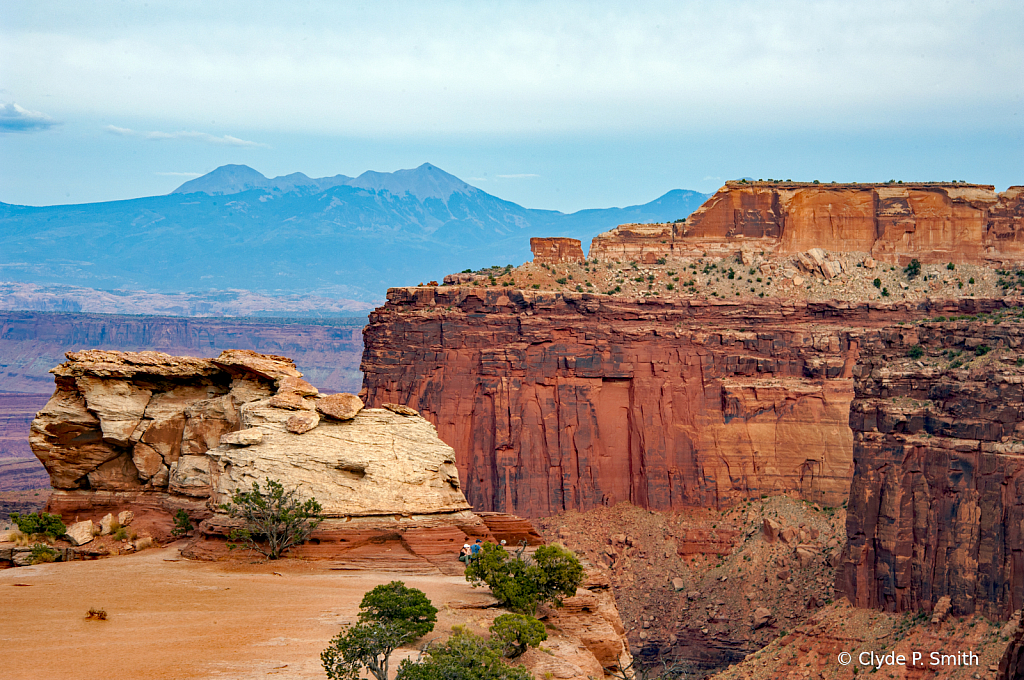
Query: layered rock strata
point(936, 505)
point(933, 222)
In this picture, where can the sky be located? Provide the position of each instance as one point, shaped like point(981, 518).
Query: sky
point(557, 105)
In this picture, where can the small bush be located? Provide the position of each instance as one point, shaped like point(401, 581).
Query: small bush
point(463, 656)
point(913, 269)
point(916, 352)
point(877, 283)
point(562, 281)
point(275, 519)
point(44, 553)
point(950, 266)
point(42, 523)
point(120, 535)
point(982, 350)
point(513, 634)
point(521, 583)
point(96, 614)
point(182, 524)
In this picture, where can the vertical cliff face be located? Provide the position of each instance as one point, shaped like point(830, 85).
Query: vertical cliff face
point(937, 497)
point(933, 222)
point(562, 401)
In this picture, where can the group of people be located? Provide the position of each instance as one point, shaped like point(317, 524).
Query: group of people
point(468, 551)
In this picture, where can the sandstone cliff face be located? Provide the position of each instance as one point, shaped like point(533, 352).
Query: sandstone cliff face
point(937, 498)
point(933, 222)
point(556, 250)
point(563, 401)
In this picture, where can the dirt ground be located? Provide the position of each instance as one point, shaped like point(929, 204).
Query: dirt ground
point(174, 618)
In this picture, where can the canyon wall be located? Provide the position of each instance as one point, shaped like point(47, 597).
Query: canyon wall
point(937, 498)
point(570, 401)
point(561, 402)
point(933, 222)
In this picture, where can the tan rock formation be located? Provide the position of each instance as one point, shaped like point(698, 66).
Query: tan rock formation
point(155, 433)
point(933, 222)
point(556, 250)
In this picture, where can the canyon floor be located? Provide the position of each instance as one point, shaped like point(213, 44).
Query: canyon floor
point(174, 618)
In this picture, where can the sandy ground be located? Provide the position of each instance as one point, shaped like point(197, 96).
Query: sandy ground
point(173, 618)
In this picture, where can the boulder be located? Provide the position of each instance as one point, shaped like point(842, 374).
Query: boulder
point(678, 584)
point(298, 385)
point(291, 400)
point(788, 536)
point(125, 518)
point(300, 423)
point(401, 409)
point(81, 533)
point(770, 529)
point(762, 616)
point(340, 406)
point(107, 524)
point(247, 437)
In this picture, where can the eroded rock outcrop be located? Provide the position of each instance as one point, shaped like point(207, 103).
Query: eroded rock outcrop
point(933, 222)
point(154, 433)
point(556, 250)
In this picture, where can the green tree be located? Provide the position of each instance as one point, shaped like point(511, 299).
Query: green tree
point(390, 616)
point(463, 656)
point(43, 524)
point(274, 520)
point(364, 645)
point(395, 602)
point(912, 269)
point(521, 583)
point(513, 634)
point(182, 524)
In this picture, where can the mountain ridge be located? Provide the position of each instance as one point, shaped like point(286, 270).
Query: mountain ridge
point(234, 228)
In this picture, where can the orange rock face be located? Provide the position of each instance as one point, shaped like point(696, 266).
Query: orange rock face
point(556, 250)
point(938, 222)
point(572, 401)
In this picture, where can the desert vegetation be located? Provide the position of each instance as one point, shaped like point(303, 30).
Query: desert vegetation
point(274, 520)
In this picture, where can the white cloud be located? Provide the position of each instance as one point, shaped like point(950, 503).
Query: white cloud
point(513, 67)
point(226, 140)
point(14, 118)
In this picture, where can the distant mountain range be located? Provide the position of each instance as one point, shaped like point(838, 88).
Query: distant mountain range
point(337, 237)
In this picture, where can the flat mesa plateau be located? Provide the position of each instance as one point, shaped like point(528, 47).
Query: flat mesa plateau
point(174, 618)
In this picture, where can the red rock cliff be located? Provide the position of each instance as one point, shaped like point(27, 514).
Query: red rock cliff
point(937, 499)
point(570, 401)
point(556, 250)
point(933, 222)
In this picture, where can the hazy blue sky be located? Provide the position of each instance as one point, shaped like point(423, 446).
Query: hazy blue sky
point(549, 104)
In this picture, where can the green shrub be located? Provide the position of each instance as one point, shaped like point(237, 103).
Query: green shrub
point(877, 283)
point(561, 281)
point(463, 656)
point(43, 553)
point(120, 534)
point(916, 352)
point(913, 269)
point(390, 616)
point(513, 634)
point(950, 266)
point(982, 350)
point(521, 583)
point(42, 523)
point(182, 524)
point(275, 520)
